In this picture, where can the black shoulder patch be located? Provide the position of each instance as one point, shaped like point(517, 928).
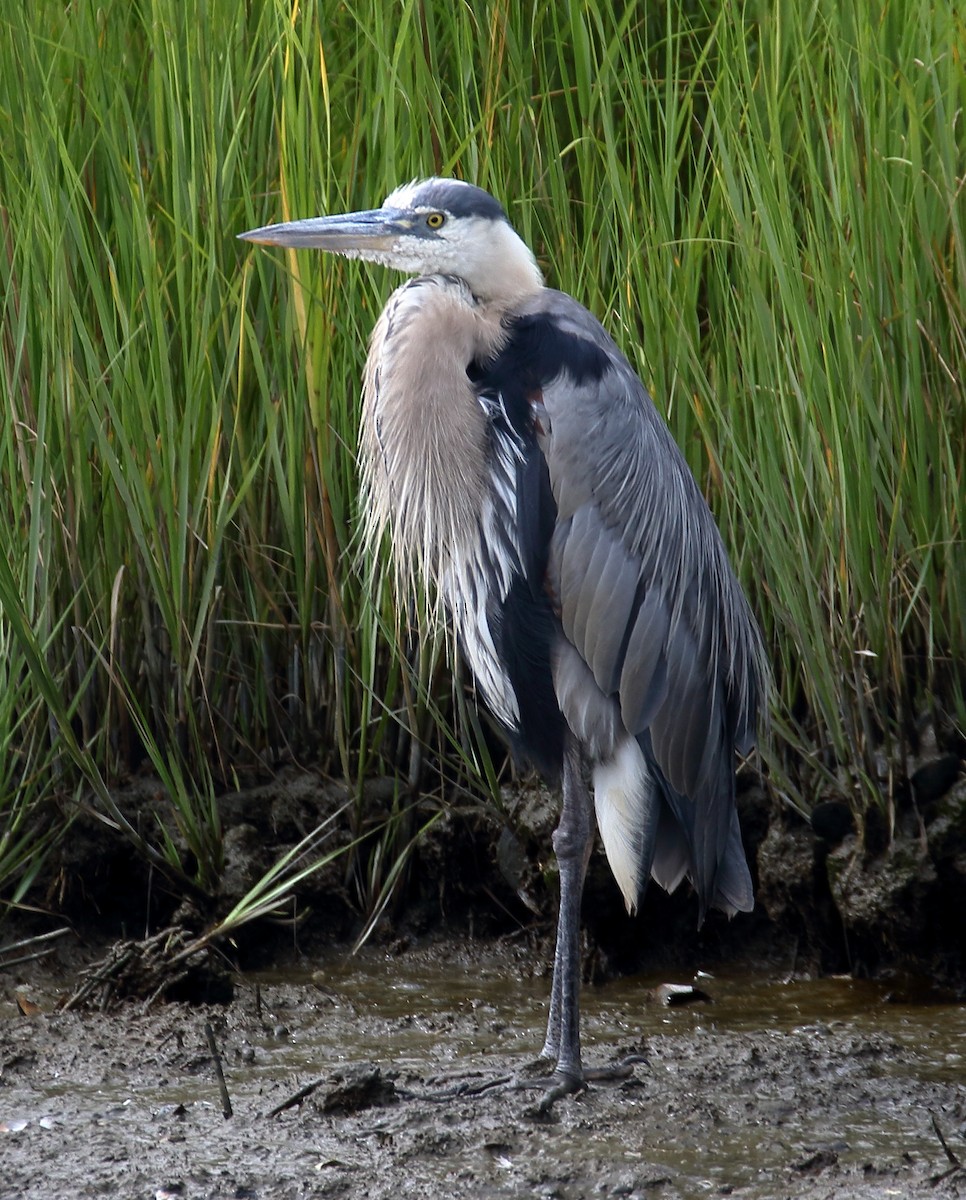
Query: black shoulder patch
point(540, 348)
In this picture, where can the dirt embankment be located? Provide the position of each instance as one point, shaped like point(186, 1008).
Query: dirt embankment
point(828, 900)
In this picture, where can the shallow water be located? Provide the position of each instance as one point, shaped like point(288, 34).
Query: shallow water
point(509, 1011)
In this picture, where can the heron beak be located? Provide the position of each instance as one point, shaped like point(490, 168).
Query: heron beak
point(378, 229)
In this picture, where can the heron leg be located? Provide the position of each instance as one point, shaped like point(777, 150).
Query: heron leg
point(572, 843)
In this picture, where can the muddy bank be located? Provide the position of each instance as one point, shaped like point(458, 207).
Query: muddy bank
point(828, 901)
point(824, 1089)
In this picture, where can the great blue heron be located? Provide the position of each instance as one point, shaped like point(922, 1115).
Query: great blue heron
point(525, 476)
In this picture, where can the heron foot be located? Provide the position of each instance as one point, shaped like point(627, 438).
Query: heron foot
point(554, 1087)
point(568, 1083)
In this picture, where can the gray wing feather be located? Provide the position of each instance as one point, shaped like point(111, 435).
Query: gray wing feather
point(643, 682)
point(734, 889)
point(616, 588)
point(648, 599)
point(590, 592)
point(576, 550)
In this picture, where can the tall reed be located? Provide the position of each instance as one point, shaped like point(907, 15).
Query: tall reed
point(762, 202)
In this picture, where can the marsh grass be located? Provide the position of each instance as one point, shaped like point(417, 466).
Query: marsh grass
point(763, 203)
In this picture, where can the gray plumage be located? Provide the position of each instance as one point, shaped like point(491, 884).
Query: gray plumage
point(527, 481)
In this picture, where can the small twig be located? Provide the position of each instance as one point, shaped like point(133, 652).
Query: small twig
point(942, 1141)
point(31, 941)
point(950, 1155)
point(302, 1094)
point(458, 1091)
point(24, 958)
point(222, 1086)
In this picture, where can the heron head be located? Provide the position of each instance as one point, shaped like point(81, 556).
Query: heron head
point(428, 227)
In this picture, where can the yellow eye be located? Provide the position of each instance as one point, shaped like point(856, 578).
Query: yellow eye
point(435, 220)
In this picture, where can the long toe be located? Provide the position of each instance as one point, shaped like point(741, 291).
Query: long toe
point(616, 1071)
point(558, 1085)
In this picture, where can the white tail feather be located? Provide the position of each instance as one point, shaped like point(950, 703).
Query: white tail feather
point(622, 797)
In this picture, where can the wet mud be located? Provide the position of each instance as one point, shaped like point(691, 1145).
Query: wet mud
point(828, 1088)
